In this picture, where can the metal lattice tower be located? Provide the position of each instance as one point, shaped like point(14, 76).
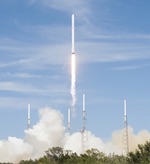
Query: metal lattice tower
point(125, 132)
point(69, 120)
point(83, 131)
point(28, 116)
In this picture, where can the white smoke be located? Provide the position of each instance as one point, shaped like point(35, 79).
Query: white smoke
point(50, 132)
point(92, 142)
point(14, 150)
point(133, 139)
point(47, 133)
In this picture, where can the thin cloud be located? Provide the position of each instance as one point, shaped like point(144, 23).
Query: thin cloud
point(79, 7)
point(44, 56)
point(25, 75)
point(22, 75)
point(17, 87)
point(90, 44)
point(126, 68)
point(30, 89)
point(40, 56)
point(35, 56)
point(48, 33)
point(130, 67)
point(111, 52)
point(16, 102)
point(115, 36)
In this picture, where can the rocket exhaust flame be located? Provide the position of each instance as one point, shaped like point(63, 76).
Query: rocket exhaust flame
point(73, 79)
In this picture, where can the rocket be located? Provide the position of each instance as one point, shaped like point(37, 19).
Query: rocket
point(73, 47)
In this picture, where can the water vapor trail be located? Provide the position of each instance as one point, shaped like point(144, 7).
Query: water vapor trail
point(73, 79)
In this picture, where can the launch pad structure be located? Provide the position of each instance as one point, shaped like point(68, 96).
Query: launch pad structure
point(84, 136)
point(28, 125)
point(125, 132)
point(69, 120)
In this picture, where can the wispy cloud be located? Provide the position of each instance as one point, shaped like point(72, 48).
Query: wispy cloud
point(126, 68)
point(22, 75)
point(30, 89)
point(33, 56)
point(20, 103)
point(92, 34)
point(51, 33)
point(92, 43)
point(79, 7)
point(44, 55)
point(17, 87)
point(112, 52)
point(130, 67)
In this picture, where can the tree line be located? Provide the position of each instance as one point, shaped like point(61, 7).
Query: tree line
point(57, 155)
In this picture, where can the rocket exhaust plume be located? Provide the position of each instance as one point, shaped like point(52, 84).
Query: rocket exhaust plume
point(73, 68)
point(49, 132)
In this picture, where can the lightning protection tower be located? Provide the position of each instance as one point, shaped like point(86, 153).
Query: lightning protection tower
point(28, 116)
point(83, 131)
point(125, 132)
point(69, 120)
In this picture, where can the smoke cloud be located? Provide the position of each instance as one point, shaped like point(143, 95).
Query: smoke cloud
point(134, 139)
point(50, 132)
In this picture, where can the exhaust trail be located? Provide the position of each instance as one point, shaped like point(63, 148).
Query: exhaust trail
point(73, 79)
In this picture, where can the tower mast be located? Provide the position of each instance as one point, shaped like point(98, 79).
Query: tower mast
point(69, 120)
point(28, 116)
point(83, 131)
point(125, 132)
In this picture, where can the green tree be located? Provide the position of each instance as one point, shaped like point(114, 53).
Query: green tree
point(117, 159)
point(55, 154)
point(27, 162)
point(141, 155)
point(44, 160)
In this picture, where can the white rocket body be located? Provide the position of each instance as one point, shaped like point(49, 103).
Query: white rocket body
point(73, 47)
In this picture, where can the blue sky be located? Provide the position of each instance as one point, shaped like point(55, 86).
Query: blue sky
point(112, 41)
